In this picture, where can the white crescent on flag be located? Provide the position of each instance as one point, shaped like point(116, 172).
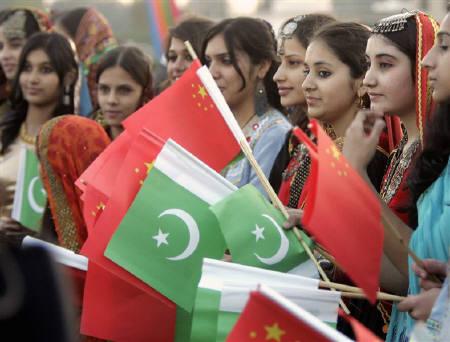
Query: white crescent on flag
point(282, 250)
point(33, 204)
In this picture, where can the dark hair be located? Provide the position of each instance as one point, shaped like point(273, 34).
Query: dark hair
point(31, 23)
point(308, 25)
point(348, 42)
point(70, 20)
point(134, 62)
point(433, 158)
point(254, 37)
point(193, 29)
point(62, 60)
point(405, 41)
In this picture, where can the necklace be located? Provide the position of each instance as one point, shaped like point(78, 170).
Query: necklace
point(25, 137)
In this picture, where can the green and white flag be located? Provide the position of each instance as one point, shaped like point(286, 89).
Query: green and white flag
point(169, 228)
point(252, 229)
point(215, 275)
point(30, 197)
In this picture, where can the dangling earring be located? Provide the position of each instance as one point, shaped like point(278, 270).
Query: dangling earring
point(66, 96)
point(261, 103)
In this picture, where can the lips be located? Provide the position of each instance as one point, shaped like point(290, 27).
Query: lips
point(312, 101)
point(374, 96)
point(32, 91)
point(283, 91)
point(9, 68)
point(112, 114)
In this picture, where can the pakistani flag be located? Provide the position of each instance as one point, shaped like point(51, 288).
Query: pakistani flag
point(30, 197)
point(216, 275)
point(169, 228)
point(252, 229)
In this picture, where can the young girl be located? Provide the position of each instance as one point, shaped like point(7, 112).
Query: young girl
point(241, 55)
point(124, 84)
point(293, 159)
point(16, 26)
point(43, 88)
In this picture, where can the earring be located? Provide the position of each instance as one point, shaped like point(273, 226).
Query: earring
point(66, 96)
point(261, 103)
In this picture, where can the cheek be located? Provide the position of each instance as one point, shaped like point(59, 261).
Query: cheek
point(131, 103)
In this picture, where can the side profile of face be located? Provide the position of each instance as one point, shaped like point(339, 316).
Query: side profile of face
point(389, 80)
point(330, 91)
point(178, 59)
point(10, 49)
point(437, 61)
point(39, 81)
point(290, 74)
point(119, 95)
point(226, 76)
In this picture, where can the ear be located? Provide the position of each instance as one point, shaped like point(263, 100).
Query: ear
point(359, 87)
point(70, 78)
point(263, 68)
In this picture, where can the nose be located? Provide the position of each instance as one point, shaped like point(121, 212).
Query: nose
point(280, 74)
point(180, 64)
point(112, 98)
point(428, 61)
point(34, 76)
point(215, 71)
point(369, 80)
point(308, 83)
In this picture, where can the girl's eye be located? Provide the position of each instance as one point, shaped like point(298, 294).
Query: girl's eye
point(47, 70)
point(124, 90)
point(103, 89)
point(294, 63)
point(305, 71)
point(385, 65)
point(324, 74)
point(172, 58)
point(27, 67)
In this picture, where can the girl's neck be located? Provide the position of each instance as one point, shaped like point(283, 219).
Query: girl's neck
point(409, 121)
point(244, 112)
point(37, 116)
point(115, 131)
point(341, 123)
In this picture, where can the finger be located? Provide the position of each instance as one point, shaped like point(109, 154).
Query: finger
point(378, 127)
point(429, 284)
point(407, 304)
point(433, 266)
point(419, 271)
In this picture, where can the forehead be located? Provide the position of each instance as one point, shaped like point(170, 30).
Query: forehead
point(378, 44)
point(445, 24)
point(177, 45)
point(320, 51)
point(216, 45)
point(116, 75)
point(291, 46)
point(38, 57)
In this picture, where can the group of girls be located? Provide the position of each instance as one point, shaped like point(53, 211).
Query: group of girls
point(369, 89)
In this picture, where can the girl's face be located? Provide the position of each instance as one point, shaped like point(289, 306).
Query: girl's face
point(178, 59)
point(290, 74)
point(226, 76)
point(10, 49)
point(330, 91)
point(437, 61)
point(119, 95)
point(39, 81)
point(389, 79)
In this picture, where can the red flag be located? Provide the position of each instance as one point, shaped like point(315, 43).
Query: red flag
point(343, 213)
point(117, 311)
point(265, 318)
point(186, 113)
point(94, 202)
point(134, 169)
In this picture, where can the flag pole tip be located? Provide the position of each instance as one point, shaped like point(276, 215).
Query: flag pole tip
point(190, 50)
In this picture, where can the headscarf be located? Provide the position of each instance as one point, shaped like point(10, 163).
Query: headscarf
point(93, 39)
point(426, 28)
point(66, 146)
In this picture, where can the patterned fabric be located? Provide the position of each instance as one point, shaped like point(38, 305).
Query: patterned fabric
point(266, 135)
point(67, 145)
point(430, 240)
point(93, 39)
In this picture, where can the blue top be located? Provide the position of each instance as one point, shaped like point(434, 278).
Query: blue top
point(430, 240)
point(266, 135)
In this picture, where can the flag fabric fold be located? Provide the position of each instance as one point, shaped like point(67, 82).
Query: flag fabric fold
point(169, 228)
point(343, 213)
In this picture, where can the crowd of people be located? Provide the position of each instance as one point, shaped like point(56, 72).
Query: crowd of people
point(381, 94)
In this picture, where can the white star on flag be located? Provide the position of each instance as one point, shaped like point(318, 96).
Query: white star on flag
point(258, 232)
point(161, 238)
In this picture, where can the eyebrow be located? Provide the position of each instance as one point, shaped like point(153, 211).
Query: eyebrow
point(322, 63)
point(443, 33)
point(381, 55)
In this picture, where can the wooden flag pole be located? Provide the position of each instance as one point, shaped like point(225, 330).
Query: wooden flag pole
point(380, 296)
point(245, 147)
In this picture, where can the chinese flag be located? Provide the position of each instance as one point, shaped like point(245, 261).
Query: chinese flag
point(115, 310)
point(94, 202)
point(343, 213)
point(186, 113)
point(264, 319)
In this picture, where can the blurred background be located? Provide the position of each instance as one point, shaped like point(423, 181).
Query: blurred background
point(145, 22)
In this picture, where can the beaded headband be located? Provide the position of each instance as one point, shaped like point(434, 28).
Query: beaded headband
point(393, 23)
point(14, 26)
point(289, 28)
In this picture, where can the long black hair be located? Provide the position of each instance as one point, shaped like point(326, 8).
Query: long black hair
point(63, 61)
point(254, 37)
point(432, 160)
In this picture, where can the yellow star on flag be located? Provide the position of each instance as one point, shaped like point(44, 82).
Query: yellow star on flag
point(274, 332)
point(202, 91)
point(253, 334)
point(101, 206)
point(336, 153)
point(149, 166)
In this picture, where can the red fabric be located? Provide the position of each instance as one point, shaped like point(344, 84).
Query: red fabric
point(118, 311)
point(262, 315)
point(343, 213)
point(186, 113)
point(362, 334)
